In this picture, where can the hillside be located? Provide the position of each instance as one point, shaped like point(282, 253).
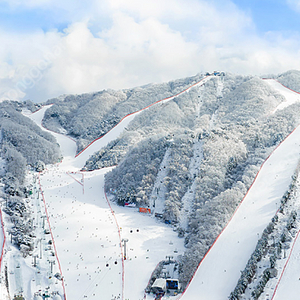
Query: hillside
point(89, 116)
point(189, 159)
point(219, 123)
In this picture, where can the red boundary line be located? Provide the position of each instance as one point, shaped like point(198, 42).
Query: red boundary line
point(42, 193)
point(68, 173)
point(281, 84)
point(285, 265)
point(233, 213)
point(82, 178)
point(286, 87)
point(168, 98)
point(122, 254)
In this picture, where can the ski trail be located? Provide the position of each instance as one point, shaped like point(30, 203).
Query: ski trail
point(188, 198)
point(287, 285)
point(219, 270)
point(290, 95)
point(157, 198)
point(101, 142)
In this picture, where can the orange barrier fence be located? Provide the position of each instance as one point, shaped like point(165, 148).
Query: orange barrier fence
point(145, 210)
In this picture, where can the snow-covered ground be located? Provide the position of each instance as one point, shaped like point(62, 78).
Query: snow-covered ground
point(220, 269)
point(159, 190)
point(31, 274)
point(188, 198)
point(289, 285)
point(88, 232)
point(3, 292)
point(290, 96)
point(87, 236)
point(285, 285)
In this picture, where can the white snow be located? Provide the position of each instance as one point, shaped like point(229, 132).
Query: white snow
point(289, 285)
point(290, 96)
point(286, 285)
point(89, 231)
point(219, 271)
point(157, 198)
point(188, 198)
point(24, 278)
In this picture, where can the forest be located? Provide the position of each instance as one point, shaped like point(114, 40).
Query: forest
point(24, 146)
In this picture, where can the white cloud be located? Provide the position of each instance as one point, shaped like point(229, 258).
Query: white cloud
point(158, 9)
point(144, 41)
point(294, 4)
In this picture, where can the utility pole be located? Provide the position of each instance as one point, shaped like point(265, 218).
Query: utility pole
point(125, 254)
point(11, 236)
point(41, 252)
point(34, 260)
point(44, 217)
point(52, 262)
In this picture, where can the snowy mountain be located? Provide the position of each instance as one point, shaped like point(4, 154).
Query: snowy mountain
point(192, 153)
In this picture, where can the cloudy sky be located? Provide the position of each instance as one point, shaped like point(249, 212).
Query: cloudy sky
point(52, 47)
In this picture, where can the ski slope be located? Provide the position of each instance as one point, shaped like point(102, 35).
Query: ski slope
point(289, 95)
point(88, 231)
point(219, 271)
point(288, 286)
